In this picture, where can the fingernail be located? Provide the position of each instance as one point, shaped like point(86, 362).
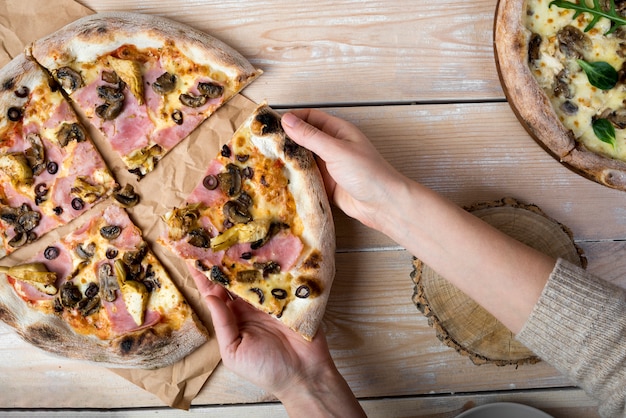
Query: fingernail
point(290, 119)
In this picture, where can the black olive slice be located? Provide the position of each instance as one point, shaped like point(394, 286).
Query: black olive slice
point(210, 182)
point(22, 92)
point(303, 292)
point(14, 114)
point(52, 167)
point(279, 293)
point(50, 253)
point(259, 293)
point(78, 204)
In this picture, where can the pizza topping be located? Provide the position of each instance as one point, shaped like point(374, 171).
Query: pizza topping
point(110, 232)
point(279, 293)
point(199, 237)
point(127, 196)
point(225, 152)
point(191, 100)
point(130, 73)
point(14, 114)
point(22, 92)
point(86, 191)
point(78, 204)
point(69, 79)
point(16, 167)
point(210, 182)
point(182, 220)
point(259, 293)
point(52, 167)
point(36, 274)
point(303, 292)
point(50, 253)
point(70, 295)
point(35, 154)
point(211, 90)
point(70, 132)
point(86, 252)
point(24, 221)
point(108, 282)
point(236, 212)
point(177, 117)
point(135, 296)
point(110, 110)
point(217, 275)
point(241, 233)
point(165, 83)
point(230, 181)
point(573, 42)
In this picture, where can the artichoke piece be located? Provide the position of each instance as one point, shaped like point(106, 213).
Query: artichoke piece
point(181, 221)
point(87, 191)
point(130, 73)
point(145, 158)
point(35, 274)
point(135, 295)
point(15, 165)
point(239, 233)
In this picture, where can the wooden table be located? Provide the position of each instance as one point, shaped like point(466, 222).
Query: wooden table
point(419, 78)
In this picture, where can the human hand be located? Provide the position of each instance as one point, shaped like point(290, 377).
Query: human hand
point(357, 178)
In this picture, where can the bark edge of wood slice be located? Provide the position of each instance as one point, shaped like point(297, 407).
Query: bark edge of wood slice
point(461, 323)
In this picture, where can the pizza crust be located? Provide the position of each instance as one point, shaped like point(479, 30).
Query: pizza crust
point(317, 262)
point(88, 38)
point(147, 348)
point(533, 107)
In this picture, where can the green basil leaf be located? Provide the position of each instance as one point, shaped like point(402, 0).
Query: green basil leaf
point(604, 130)
point(600, 74)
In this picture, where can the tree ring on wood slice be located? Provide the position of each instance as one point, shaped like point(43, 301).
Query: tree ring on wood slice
point(461, 323)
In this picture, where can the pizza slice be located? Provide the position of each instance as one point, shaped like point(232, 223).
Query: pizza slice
point(146, 82)
point(50, 171)
point(260, 225)
point(100, 295)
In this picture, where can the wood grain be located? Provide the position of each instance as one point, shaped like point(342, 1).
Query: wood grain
point(349, 51)
point(419, 79)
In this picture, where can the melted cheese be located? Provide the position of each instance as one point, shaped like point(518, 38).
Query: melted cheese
point(591, 101)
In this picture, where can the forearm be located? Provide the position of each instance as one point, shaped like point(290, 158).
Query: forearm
point(503, 275)
point(326, 396)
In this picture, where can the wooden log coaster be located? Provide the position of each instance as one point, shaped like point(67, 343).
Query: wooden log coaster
point(461, 323)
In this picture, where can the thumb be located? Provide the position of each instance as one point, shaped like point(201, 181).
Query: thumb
point(225, 326)
point(307, 135)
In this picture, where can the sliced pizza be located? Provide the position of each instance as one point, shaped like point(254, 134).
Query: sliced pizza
point(145, 81)
point(100, 295)
point(260, 225)
point(50, 171)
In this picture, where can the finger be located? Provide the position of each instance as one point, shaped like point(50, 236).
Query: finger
point(225, 326)
point(309, 136)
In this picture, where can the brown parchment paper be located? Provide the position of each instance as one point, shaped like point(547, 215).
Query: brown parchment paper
point(167, 186)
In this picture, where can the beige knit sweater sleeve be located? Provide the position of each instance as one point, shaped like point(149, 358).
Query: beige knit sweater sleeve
point(579, 326)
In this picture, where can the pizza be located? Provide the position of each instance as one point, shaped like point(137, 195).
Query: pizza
point(259, 223)
point(145, 82)
point(109, 94)
point(100, 295)
point(50, 171)
point(561, 64)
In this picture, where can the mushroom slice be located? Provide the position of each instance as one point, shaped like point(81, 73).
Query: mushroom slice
point(230, 181)
point(86, 252)
point(127, 196)
point(211, 90)
point(130, 73)
point(70, 132)
point(69, 79)
point(236, 212)
point(35, 155)
point(200, 238)
point(165, 83)
point(110, 110)
point(190, 100)
point(70, 295)
point(35, 274)
point(108, 282)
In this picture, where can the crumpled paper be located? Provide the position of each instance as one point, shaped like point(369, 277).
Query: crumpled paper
point(167, 186)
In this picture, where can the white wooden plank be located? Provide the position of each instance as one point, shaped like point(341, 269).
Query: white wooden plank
point(349, 51)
